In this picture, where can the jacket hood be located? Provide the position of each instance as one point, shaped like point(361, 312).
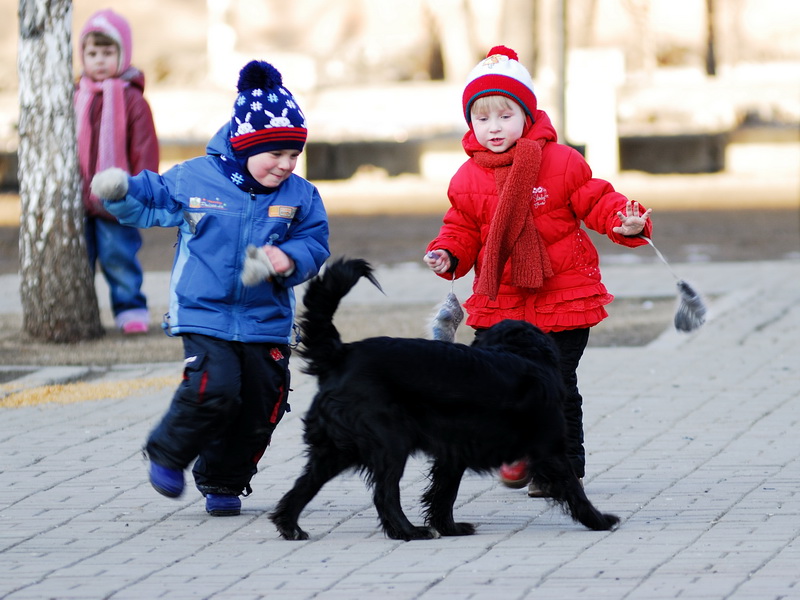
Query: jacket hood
point(134, 76)
point(117, 28)
point(220, 142)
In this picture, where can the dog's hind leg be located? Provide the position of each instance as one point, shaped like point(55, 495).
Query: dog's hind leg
point(440, 497)
point(320, 468)
point(555, 475)
point(386, 495)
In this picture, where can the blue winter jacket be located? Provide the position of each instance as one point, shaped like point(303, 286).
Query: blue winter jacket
point(217, 221)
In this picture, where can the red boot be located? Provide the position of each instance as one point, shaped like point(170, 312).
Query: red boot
point(515, 475)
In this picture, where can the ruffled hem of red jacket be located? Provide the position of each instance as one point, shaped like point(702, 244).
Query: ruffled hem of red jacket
point(554, 311)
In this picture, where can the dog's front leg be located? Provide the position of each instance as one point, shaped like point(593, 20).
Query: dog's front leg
point(321, 467)
point(440, 497)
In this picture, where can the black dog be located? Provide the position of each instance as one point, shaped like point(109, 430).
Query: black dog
point(468, 407)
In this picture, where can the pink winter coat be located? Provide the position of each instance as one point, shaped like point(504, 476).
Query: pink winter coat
point(142, 142)
point(565, 195)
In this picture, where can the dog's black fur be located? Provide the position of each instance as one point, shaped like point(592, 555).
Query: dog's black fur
point(468, 407)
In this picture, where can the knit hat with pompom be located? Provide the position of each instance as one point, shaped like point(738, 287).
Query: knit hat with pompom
point(500, 74)
point(265, 114)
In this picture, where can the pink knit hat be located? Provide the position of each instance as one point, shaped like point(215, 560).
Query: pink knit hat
point(117, 28)
point(500, 74)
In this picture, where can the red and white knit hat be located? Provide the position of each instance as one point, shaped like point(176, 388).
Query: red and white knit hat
point(500, 74)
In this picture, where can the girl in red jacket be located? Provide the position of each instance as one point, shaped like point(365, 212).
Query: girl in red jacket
point(516, 208)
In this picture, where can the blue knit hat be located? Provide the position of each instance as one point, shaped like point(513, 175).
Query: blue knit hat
point(265, 114)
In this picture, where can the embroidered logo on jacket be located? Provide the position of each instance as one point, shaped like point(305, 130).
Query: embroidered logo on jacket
point(540, 196)
point(282, 212)
point(196, 202)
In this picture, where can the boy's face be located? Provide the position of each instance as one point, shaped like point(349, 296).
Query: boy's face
point(272, 168)
point(100, 62)
point(498, 128)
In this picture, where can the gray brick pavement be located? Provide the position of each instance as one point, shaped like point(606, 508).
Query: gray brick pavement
point(692, 441)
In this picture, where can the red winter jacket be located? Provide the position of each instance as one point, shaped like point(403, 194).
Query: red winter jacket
point(565, 195)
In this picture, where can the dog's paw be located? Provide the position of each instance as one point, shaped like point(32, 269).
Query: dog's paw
point(456, 529)
point(293, 534)
point(289, 530)
point(415, 533)
point(612, 521)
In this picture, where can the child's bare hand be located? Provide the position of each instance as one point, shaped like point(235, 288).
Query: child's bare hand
point(631, 222)
point(438, 261)
point(281, 262)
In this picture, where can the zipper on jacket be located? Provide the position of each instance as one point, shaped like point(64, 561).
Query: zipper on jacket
point(247, 225)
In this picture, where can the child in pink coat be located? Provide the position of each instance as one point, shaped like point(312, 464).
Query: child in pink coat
point(115, 129)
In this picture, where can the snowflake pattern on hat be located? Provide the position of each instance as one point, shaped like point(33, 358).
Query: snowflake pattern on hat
point(265, 114)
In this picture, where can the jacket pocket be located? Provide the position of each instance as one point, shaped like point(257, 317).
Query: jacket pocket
point(585, 259)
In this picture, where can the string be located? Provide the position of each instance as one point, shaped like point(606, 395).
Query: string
point(661, 256)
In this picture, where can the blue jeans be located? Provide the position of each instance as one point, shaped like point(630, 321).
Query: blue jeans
point(114, 246)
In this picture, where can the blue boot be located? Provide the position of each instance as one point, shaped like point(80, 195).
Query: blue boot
point(223, 505)
point(168, 482)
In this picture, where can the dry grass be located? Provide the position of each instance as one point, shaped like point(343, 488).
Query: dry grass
point(633, 322)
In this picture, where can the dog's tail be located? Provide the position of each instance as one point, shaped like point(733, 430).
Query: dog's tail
point(548, 474)
point(320, 340)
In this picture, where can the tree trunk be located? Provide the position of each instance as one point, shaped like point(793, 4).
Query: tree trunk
point(59, 303)
point(711, 59)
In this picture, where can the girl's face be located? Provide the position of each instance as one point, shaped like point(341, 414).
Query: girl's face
point(100, 62)
point(272, 168)
point(498, 127)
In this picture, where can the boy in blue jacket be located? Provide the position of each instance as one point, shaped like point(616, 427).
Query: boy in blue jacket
point(249, 231)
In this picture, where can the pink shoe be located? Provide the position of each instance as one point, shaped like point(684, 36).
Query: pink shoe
point(134, 327)
point(515, 475)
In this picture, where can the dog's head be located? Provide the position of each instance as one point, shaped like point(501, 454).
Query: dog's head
point(520, 338)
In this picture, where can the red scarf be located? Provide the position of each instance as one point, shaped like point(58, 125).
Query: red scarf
point(512, 233)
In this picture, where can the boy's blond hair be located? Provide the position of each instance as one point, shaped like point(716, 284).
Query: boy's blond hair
point(489, 103)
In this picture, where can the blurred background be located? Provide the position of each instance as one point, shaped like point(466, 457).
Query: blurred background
point(690, 106)
point(654, 86)
point(683, 104)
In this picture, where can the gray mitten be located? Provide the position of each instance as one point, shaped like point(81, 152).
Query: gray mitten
point(257, 266)
point(110, 184)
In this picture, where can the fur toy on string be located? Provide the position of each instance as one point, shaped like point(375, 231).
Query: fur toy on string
point(448, 315)
point(691, 311)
